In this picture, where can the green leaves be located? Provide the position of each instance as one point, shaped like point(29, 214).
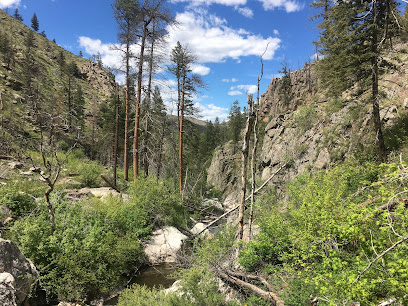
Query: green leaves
point(335, 223)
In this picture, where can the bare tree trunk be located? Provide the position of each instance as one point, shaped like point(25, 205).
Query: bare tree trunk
point(126, 144)
point(159, 161)
point(253, 158)
point(245, 151)
point(149, 94)
point(269, 296)
point(181, 131)
point(375, 93)
point(139, 98)
point(116, 138)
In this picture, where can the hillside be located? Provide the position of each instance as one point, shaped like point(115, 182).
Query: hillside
point(49, 82)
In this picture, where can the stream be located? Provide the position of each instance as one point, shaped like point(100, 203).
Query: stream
point(150, 276)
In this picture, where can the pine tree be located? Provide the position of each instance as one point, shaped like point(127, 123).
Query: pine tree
point(354, 34)
point(80, 53)
point(187, 85)
point(235, 122)
point(6, 49)
point(34, 23)
point(126, 14)
point(404, 24)
point(17, 15)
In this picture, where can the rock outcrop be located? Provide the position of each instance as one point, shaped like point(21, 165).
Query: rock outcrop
point(13, 262)
point(307, 130)
point(98, 77)
point(164, 245)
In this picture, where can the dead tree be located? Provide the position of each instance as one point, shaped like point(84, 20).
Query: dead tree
point(245, 151)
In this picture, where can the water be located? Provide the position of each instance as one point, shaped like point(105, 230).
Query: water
point(156, 276)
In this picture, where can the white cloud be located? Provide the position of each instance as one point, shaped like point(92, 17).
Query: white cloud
point(289, 5)
point(234, 93)
point(275, 32)
point(209, 37)
point(251, 89)
point(245, 11)
point(211, 111)
point(9, 3)
point(209, 2)
point(110, 53)
point(233, 80)
point(200, 69)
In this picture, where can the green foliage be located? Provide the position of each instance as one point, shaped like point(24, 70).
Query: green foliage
point(90, 172)
point(197, 287)
point(331, 230)
point(161, 203)
point(397, 136)
point(236, 121)
point(20, 203)
point(143, 296)
point(34, 23)
point(95, 244)
point(305, 118)
point(17, 15)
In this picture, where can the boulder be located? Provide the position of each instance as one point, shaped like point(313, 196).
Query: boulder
point(15, 263)
point(164, 245)
point(198, 228)
point(7, 290)
point(212, 203)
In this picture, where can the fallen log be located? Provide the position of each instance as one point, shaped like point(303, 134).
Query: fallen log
point(110, 184)
point(272, 297)
point(252, 277)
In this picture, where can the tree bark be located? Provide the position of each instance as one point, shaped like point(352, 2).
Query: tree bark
point(116, 138)
point(149, 94)
point(126, 144)
point(245, 151)
point(375, 93)
point(138, 100)
point(181, 131)
point(252, 288)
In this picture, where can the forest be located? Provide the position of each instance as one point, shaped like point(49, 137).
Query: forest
point(298, 198)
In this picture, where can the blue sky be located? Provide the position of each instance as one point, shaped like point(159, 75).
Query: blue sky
point(228, 37)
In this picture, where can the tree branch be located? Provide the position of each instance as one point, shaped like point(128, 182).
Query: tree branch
point(380, 256)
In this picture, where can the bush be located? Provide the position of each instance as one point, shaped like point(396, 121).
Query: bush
point(159, 201)
point(20, 203)
point(143, 296)
point(329, 232)
point(94, 246)
point(90, 173)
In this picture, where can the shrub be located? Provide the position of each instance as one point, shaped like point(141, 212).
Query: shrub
point(20, 203)
point(94, 246)
point(90, 172)
point(159, 201)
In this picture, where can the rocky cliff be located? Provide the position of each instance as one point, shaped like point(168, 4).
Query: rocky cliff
point(308, 131)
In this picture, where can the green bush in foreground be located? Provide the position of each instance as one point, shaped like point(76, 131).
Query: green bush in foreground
point(330, 231)
point(20, 203)
point(96, 242)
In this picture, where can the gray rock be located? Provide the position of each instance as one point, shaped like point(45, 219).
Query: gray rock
point(212, 203)
point(14, 262)
point(164, 245)
point(199, 227)
point(7, 290)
